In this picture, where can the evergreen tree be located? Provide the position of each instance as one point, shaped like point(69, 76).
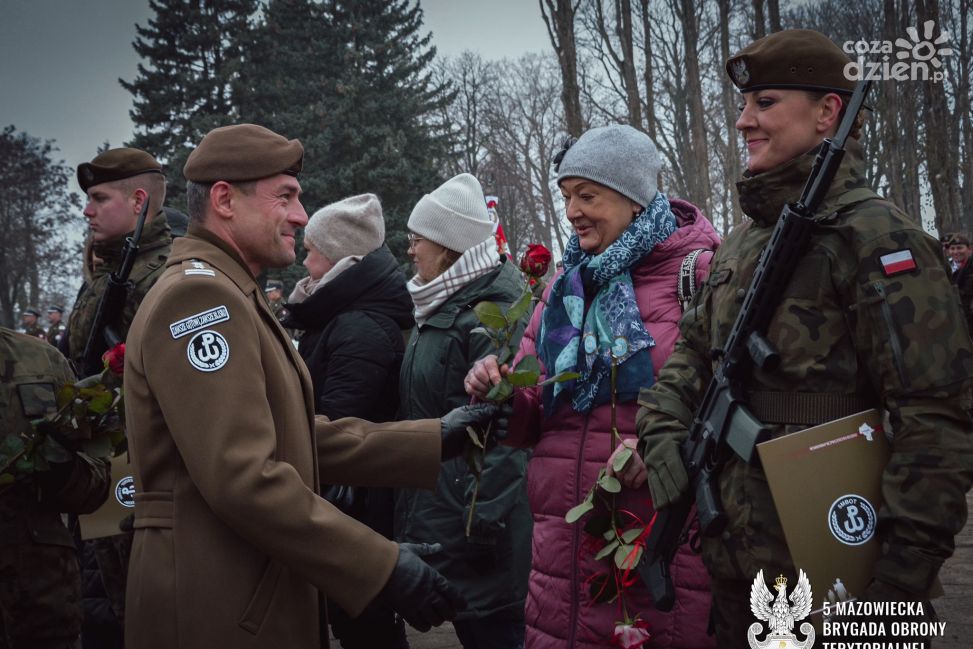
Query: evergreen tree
point(351, 79)
point(191, 52)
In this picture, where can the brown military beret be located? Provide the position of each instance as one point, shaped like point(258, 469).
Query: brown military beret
point(959, 240)
point(243, 152)
point(800, 59)
point(116, 164)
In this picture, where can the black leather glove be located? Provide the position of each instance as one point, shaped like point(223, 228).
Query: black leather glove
point(455, 422)
point(418, 592)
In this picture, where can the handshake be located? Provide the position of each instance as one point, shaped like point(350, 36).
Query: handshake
point(415, 590)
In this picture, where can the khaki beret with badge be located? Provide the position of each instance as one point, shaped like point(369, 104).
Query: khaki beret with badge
point(116, 164)
point(243, 152)
point(799, 59)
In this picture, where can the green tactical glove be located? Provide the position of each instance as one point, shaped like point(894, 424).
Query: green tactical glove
point(666, 472)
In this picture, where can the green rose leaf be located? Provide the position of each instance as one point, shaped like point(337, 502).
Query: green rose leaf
point(610, 484)
point(501, 391)
point(578, 511)
point(490, 314)
point(627, 556)
point(523, 378)
point(520, 307)
point(11, 445)
point(559, 378)
point(529, 363)
point(504, 354)
point(621, 460)
point(632, 534)
point(605, 551)
point(489, 333)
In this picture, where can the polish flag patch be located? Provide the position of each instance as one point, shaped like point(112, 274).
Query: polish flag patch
point(897, 262)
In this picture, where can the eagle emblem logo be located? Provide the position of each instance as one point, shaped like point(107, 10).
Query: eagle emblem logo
point(740, 72)
point(779, 615)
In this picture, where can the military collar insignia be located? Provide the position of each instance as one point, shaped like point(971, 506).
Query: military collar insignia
point(741, 75)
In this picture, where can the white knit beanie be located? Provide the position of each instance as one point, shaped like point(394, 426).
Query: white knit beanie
point(454, 215)
point(352, 226)
point(617, 156)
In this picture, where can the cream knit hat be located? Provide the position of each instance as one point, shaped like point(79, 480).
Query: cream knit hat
point(352, 226)
point(454, 215)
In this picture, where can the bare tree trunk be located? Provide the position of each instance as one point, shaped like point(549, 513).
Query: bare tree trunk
point(559, 18)
point(651, 121)
point(623, 59)
point(941, 154)
point(732, 168)
point(773, 11)
point(965, 112)
point(698, 172)
point(759, 23)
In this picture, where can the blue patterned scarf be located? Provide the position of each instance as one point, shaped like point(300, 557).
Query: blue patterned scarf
point(573, 341)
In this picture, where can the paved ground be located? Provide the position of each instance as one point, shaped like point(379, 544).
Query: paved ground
point(956, 608)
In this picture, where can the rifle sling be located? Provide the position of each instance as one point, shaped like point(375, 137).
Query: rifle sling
point(804, 408)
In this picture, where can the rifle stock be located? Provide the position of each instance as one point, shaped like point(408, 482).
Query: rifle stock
point(723, 423)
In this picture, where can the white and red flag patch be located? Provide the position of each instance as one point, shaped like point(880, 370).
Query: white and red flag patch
point(897, 262)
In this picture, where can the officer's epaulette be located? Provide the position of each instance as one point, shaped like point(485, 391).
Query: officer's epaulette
point(196, 267)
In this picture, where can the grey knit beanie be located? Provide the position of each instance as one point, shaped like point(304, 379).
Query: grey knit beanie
point(617, 156)
point(454, 215)
point(352, 226)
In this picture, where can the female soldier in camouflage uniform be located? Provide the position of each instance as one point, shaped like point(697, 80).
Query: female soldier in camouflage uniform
point(853, 331)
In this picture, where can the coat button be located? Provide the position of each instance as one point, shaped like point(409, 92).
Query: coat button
point(726, 535)
point(741, 293)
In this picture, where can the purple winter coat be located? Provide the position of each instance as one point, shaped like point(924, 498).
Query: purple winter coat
point(569, 450)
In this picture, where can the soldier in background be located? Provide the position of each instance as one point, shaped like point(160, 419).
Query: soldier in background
point(868, 320)
point(959, 256)
point(56, 328)
point(117, 182)
point(29, 319)
point(274, 290)
point(40, 587)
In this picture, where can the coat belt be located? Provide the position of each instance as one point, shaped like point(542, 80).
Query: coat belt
point(153, 509)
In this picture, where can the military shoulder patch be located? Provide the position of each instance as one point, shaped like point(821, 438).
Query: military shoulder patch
point(208, 351)
point(207, 318)
point(897, 262)
point(199, 268)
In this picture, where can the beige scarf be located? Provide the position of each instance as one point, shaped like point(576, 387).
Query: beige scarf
point(473, 264)
point(306, 285)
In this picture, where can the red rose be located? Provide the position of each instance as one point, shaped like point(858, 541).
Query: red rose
point(114, 359)
point(631, 635)
point(536, 260)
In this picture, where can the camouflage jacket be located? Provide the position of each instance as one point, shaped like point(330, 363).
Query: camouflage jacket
point(39, 581)
point(844, 327)
point(149, 264)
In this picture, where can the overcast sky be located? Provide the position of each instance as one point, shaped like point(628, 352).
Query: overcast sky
point(60, 60)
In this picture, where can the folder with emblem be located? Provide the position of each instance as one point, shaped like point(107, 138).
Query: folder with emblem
point(826, 484)
point(105, 520)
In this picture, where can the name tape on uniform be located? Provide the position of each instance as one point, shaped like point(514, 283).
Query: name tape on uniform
point(202, 320)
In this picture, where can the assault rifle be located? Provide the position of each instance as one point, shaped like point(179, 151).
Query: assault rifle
point(104, 332)
point(723, 421)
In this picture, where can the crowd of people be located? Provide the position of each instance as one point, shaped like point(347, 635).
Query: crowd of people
point(270, 511)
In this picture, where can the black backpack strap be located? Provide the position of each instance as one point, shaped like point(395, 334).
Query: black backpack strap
point(686, 286)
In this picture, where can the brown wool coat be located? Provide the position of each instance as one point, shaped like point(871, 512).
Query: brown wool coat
point(232, 543)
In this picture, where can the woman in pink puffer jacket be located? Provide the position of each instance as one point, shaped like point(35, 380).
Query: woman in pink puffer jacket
point(621, 271)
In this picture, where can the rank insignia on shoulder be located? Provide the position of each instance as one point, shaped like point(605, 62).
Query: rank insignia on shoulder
point(897, 262)
point(199, 268)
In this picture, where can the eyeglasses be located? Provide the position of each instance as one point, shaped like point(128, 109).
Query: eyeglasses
point(413, 239)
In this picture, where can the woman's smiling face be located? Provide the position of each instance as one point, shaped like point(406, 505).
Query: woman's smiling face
point(597, 213)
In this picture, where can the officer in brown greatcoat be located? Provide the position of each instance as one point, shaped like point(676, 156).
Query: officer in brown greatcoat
point(232, 542)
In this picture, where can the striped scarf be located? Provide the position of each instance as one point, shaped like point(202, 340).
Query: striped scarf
point(473, 264)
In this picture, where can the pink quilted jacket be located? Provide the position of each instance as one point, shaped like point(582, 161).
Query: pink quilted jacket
point(570, 449)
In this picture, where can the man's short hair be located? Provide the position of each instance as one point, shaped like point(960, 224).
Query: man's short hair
point(154, 184)
point(197, 197)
